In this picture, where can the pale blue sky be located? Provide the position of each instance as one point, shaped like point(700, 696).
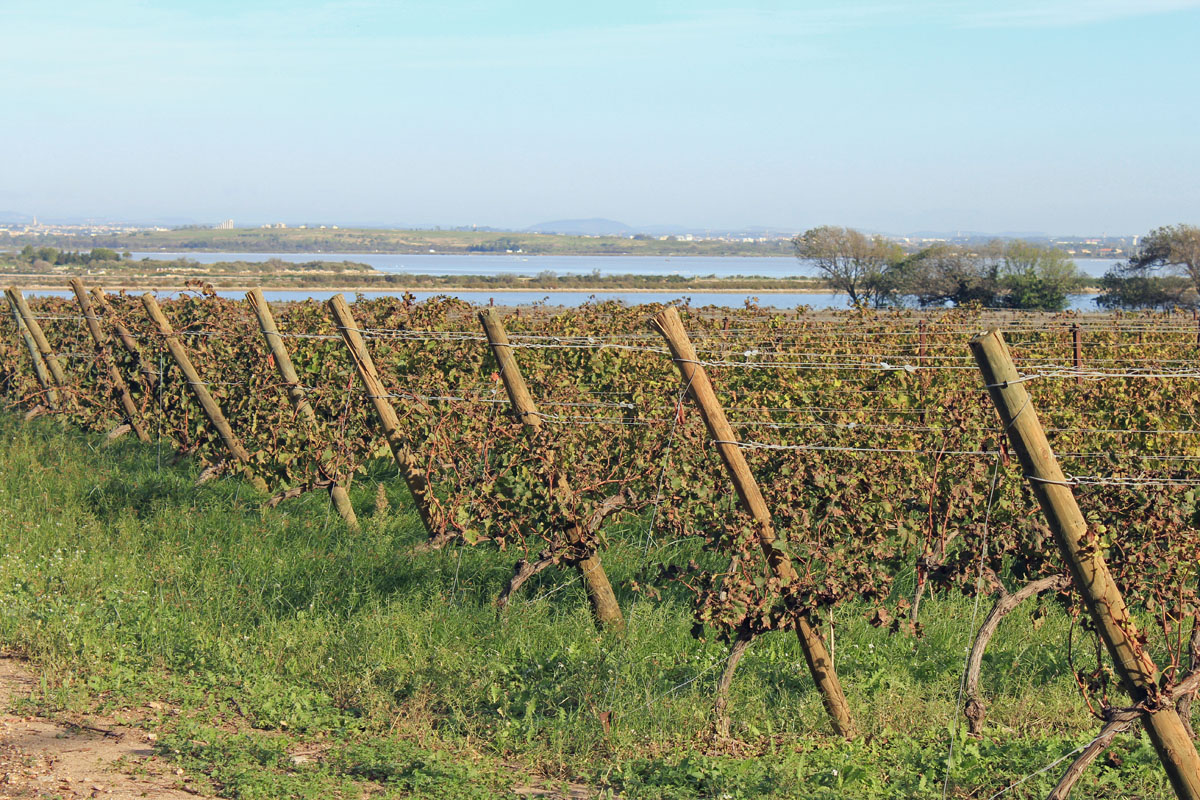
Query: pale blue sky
point(1053, 115)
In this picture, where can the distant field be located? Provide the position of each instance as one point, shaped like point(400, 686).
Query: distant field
point(367, 240)
point(277, 274)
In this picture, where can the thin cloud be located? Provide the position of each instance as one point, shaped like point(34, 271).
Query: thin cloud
point(1071, 13)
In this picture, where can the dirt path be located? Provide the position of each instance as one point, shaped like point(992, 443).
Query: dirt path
point(89, 758)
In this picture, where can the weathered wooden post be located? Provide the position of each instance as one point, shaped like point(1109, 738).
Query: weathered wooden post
point(40, 370)
point(820, 664)
point(410, 468)
point(295, 391)
point(595, 579)
point(211, 410)
point(1085, 558)
point(127, 339)
point(39, 337)
point(1077, 349)
point(922, 352)
point(104, 361)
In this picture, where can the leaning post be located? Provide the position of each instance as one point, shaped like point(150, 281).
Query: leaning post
point(820, 664)
point(295, 391)
point(127, 339)
point(595, 579)
point(104, 360)
point(39, 337)
point(1080, 549)
point(410, 467)
point(211, 410)
point(39, 365)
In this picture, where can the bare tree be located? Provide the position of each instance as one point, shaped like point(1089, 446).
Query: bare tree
point(1174, 248)
point(851, 261)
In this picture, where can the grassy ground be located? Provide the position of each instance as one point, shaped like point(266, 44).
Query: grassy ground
point(286, 657)
point(384, 240)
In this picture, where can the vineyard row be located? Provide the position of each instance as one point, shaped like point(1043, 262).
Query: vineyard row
point(641, 419)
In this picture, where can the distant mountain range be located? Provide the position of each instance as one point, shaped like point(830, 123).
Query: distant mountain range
point(17, 218)
point(979, 235)
point(582, 227)
point(598, 226)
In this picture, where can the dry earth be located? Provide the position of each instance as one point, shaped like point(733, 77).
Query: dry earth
point(98, 757)
point(77, 758)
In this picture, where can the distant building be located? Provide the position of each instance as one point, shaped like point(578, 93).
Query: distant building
point(227, 225)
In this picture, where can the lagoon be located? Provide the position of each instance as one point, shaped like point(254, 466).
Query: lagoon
point(530, 266)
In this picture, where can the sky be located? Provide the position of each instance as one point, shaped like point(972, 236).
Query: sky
point(1056, 116)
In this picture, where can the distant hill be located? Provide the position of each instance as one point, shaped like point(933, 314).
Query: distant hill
point(582, 227)
point(964, 234)
point(14, 216)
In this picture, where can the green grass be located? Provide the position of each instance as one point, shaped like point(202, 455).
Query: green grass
point(386, 240)
point(287, 657)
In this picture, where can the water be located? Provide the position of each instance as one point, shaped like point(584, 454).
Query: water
point(815, 300)
point(530, 266)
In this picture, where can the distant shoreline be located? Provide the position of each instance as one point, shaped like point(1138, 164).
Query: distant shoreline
point(371, 241)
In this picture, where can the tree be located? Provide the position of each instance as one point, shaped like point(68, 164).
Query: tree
point(1135, 291)
point(945, 273)
point(851, 261)
point(103, 254)
point(1034, 276)
point(1172, 248)
point(499, 245)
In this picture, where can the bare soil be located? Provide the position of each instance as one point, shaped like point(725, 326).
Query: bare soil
point(93, 757)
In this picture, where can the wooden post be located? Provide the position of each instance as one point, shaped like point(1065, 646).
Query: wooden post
point(295, 391)
point(39, 337)
point(211, 410)
point(1077, 341)
point(104, 361)
point(667, 323)
point(39, 365)
point(1089, 571)
point(414, 476)
point(922, 352)
point(595, 579)
point(127, 339)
